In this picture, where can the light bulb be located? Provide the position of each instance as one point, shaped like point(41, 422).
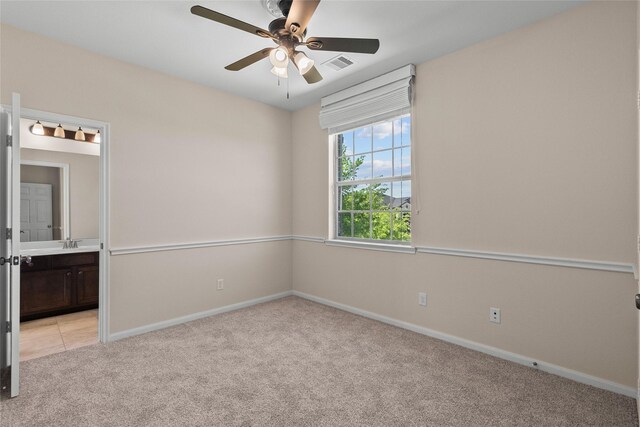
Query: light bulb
point(37, 128)
point(79, 134)
point(59, 132)
point(97, 138)
point(280, 72)
point(302, 62)
point(279, 57)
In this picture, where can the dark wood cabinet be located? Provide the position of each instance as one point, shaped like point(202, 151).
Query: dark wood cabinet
point(58, 284)
point(87, 285)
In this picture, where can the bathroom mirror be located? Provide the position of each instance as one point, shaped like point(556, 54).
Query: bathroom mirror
point(44, 201)
point(59, 188)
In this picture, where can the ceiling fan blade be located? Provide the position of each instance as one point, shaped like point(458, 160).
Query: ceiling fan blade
point(227, 20)
point(248, 60)
point(300, 14)
point(343, 45)
point(312, 76)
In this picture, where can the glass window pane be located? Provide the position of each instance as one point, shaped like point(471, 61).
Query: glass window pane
point(406, 130)
point(381, 226)
point(380, 196)
point(362, 140)
point(401, 226)
point(361, 198)
point(361, 225)
point(346, 198)
point(406, 161)
point(363, 166)
point(344, 225)
point(406, 195)
point(383, 136)
point(397, 132)
point(401, 195)
point(345, 144)
point(347, 168)
point(399, 169)
point(382, 164)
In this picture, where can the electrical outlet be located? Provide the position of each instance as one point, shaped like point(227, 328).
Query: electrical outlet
point(422, 298)
point(220, 284)
point(494, 315)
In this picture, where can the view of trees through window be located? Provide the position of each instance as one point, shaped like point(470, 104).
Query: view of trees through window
point(373, 183)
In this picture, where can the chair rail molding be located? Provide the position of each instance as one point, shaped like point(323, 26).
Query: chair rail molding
point(614, 267)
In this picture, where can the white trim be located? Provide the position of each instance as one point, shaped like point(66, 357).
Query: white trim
point(308, 239)
point(104, 127)
point(493, 351)
point(194, 245)
point(531, 259)
point(195, 316)
point(466, 253)
point(66, 231)
point(372, 246)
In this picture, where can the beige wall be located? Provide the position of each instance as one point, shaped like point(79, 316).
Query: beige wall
point(525, 144)
point(84, 189)
point(188, 164)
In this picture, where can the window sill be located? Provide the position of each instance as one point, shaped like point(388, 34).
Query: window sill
point(384, 247)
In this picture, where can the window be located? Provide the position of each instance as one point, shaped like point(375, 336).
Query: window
point(373, 182)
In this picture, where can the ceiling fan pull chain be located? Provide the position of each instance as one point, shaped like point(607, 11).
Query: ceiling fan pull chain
point(287, 88)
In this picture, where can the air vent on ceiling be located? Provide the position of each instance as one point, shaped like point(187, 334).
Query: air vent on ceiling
point(338, 63)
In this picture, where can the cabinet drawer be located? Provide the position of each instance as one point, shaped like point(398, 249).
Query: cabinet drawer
point(37, 263)
point(70, 260)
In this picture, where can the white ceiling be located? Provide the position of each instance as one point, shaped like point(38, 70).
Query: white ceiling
point(165, 36)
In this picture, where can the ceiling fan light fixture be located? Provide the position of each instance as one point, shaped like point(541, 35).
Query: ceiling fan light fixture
point(279, 57)
point(303, 62)
point(280, 72)
point(59, 131)
point(37, 128)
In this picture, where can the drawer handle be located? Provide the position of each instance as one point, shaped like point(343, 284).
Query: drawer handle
point(68, 273)
point(80, 273)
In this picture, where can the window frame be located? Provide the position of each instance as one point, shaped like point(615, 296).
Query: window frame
point(337, 184)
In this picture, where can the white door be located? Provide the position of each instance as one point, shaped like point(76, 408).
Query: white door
point(36, 212)
point(10, 248)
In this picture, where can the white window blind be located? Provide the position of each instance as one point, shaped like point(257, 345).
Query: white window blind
point(375, 100)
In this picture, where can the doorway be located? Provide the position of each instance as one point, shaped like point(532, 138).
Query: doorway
point(62, 233)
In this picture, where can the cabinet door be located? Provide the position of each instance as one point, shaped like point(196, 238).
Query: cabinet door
point(87, 285)
point(45, 291)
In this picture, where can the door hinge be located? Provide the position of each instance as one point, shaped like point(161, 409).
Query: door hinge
point(8, 326)
point(9, 141)
point(9, 235)
point(638, 243)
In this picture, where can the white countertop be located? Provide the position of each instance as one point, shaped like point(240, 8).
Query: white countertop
point(55, 247)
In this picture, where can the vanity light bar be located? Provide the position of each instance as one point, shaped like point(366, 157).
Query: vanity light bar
point(68, 134)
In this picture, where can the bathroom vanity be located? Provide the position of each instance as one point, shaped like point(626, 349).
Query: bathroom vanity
point(58, 284)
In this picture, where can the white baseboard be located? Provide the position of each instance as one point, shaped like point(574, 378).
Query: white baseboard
point(493, 351)
point(188, 318)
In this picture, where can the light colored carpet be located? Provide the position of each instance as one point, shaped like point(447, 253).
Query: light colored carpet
point(294, 362)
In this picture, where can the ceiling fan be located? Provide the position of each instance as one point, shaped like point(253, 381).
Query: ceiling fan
point(288, 33)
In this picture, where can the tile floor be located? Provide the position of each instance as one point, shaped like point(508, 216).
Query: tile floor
point(59, 333)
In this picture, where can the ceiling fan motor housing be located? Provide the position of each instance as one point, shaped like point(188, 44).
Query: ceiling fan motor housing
point(276, 27)
point(285, 6)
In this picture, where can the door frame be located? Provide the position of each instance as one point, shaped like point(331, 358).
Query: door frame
point(64, 200)
point(103, 303)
